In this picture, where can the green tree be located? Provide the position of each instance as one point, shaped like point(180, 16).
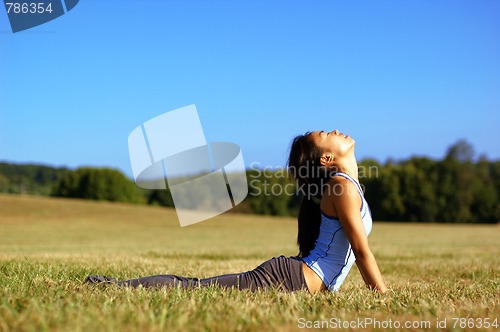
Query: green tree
point(29, 178)
point(462, 151)
point(391, 205)
point(98, 184)
point(456, 179)
point(270, 192)
point(417, 177)
point(484, 206)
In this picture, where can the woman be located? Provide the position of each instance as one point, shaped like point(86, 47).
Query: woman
point(333, 224)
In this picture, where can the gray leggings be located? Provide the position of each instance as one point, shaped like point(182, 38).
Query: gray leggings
point(279, 272)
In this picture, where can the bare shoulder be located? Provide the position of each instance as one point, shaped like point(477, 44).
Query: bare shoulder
point(341, 198)
point(339, 186)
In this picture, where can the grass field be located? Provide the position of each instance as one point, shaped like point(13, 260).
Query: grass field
point(439, 274)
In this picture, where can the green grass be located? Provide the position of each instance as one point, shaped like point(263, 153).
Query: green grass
point(48, 247)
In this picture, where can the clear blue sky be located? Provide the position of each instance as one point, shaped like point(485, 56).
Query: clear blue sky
point(403, 78)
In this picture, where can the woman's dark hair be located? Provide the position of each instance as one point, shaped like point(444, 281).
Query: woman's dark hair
point(311, 177)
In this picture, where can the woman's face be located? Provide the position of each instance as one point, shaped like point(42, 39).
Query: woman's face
point(333, 143)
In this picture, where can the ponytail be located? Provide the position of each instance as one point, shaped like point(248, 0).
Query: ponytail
point(305, 167)
point(308, 225)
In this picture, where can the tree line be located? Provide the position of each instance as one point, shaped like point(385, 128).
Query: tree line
point(457, 188)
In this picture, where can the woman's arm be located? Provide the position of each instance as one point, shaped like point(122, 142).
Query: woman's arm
point(346, 203)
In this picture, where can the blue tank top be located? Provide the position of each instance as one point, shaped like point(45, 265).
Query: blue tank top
point(332, 256)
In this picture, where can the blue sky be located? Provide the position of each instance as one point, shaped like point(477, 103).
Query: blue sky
point(403, 78)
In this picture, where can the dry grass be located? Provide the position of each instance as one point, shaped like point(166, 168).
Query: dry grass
point(48, 246)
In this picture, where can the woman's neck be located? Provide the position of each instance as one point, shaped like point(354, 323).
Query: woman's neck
point(349, 166)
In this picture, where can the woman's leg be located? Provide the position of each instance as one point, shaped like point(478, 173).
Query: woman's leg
point(279, 272)
point(161, 280)
point(236, 280)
